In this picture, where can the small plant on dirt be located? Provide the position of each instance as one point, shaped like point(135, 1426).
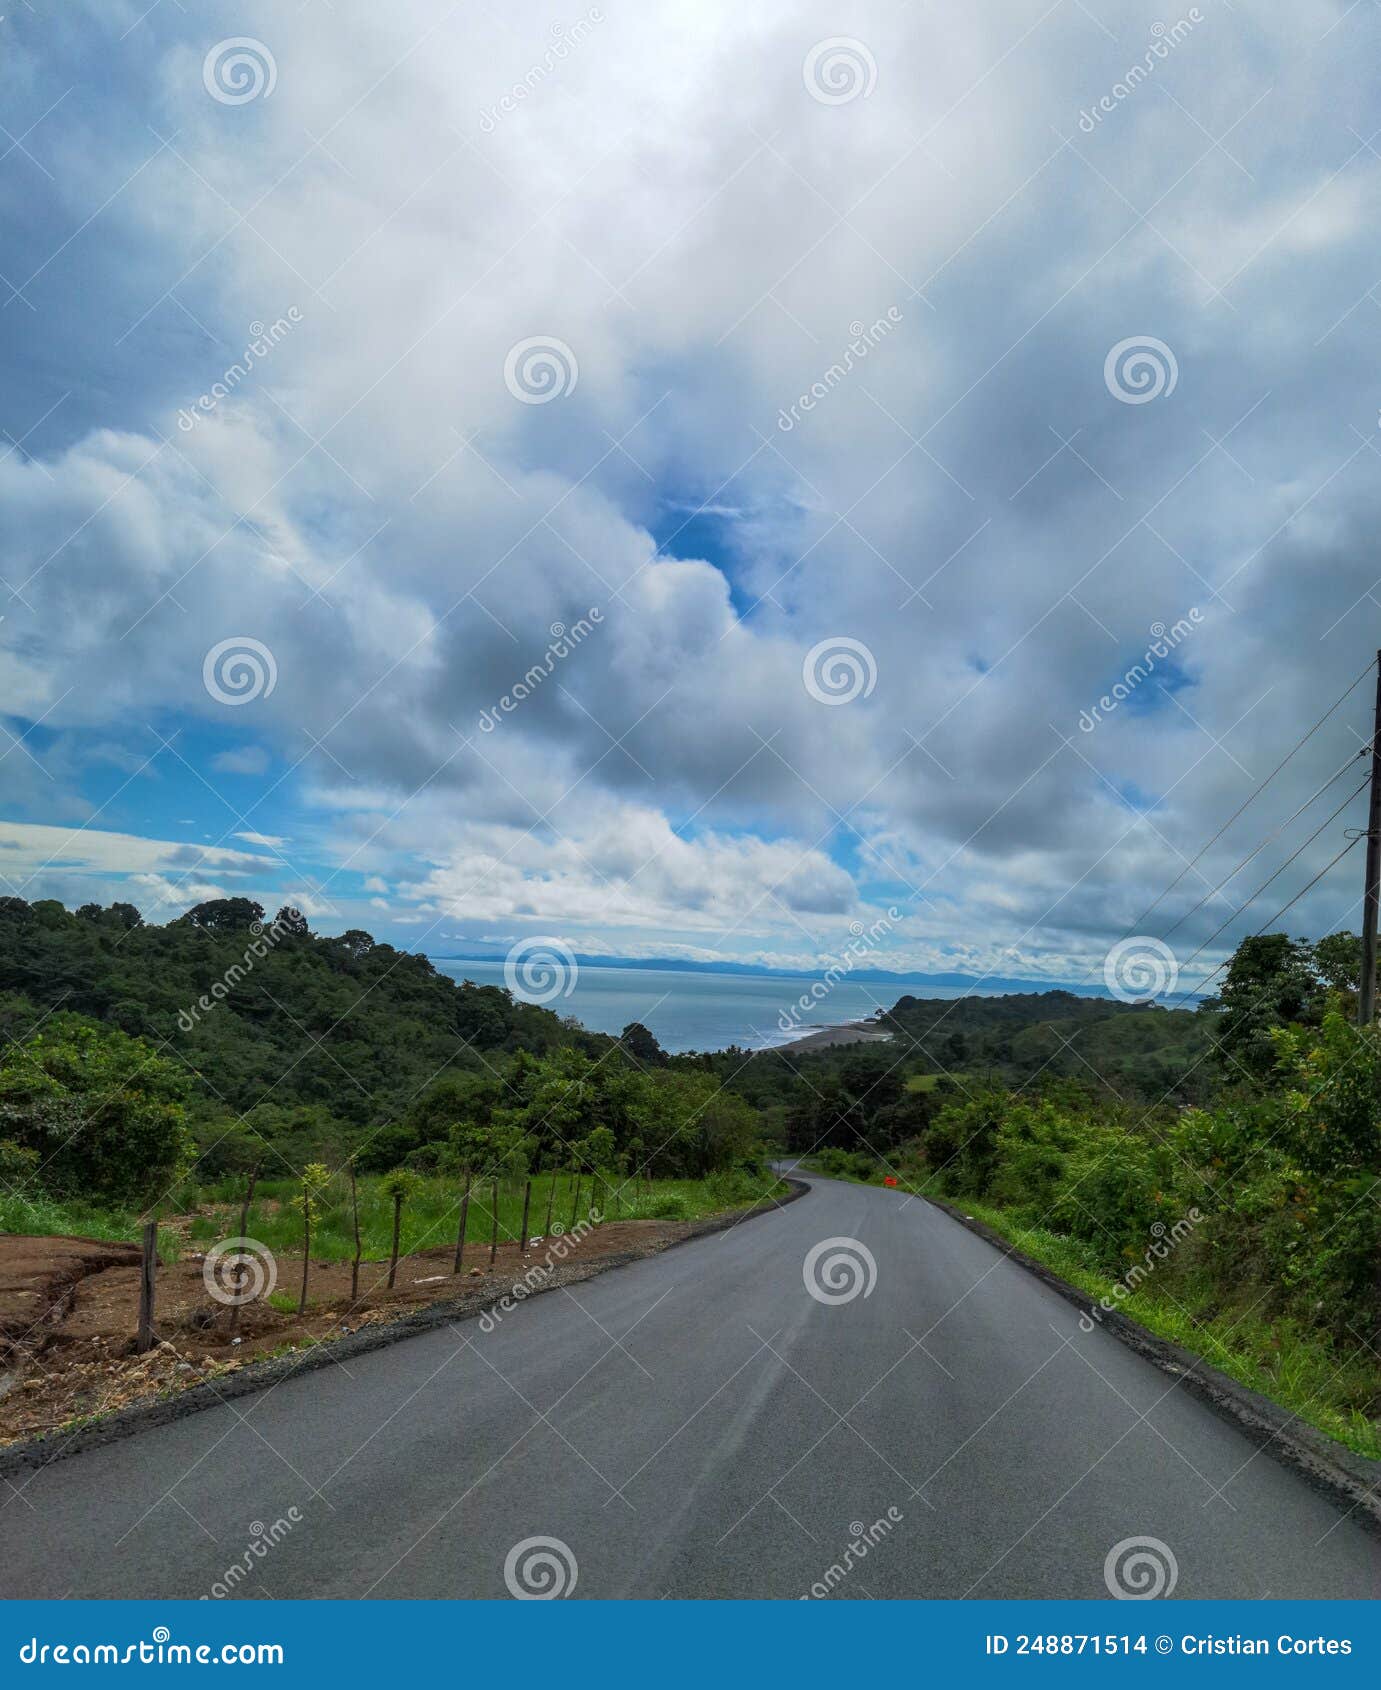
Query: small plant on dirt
point(316, 1176)
point(399, 1185)
point(597, 1152)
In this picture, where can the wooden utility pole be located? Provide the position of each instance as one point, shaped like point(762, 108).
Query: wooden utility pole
point(1371, 897)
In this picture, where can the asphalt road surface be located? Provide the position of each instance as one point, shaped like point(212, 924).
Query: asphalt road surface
point(700, 1425)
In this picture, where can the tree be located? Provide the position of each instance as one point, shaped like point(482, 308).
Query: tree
point(596, 1152)
point(316, 1176)
point(104, 1112)
point(290, 923)
point(225, 915)
point(1338, 962)
point(1270, 984)
point(642, 1046)
point(399, 1185)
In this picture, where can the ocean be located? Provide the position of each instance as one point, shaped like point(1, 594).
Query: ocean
point(700, 1011)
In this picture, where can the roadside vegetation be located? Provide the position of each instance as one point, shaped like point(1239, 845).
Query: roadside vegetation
point(1246, 1228)
point(233, 1075)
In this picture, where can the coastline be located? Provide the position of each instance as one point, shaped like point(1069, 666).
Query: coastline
point(839, 1033)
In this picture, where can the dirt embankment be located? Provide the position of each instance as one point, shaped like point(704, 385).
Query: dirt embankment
point(69, 1306)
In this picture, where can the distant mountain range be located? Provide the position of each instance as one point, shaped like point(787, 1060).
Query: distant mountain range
point(989, 985)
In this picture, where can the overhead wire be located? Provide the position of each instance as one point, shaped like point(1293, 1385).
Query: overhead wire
point(1273, 835)
point(1252, 797)
point(1280, 912)
point(1265, 883)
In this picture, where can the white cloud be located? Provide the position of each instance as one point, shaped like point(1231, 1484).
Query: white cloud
point(245, 760)
point(970, 501)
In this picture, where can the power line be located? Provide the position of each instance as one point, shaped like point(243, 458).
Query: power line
point(1251, 798)
point(1274, 834)
point(1281, 911)
point(1265, 883)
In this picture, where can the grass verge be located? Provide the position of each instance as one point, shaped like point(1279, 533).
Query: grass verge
point(430, 1216)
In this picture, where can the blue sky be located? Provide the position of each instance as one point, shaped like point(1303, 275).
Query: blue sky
point(799, 455)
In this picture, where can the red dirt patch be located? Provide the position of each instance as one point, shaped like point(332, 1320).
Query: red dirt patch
point(68, 1308)
point(38, 1278)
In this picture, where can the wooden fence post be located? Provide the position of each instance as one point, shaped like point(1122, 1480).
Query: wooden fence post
point(494, 1231)
point(464, 1222)
point(527, 1205)
point(147, 1337)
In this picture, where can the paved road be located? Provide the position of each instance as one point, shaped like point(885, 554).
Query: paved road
point(699, 1425)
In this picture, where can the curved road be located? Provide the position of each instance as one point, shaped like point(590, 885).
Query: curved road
point(698, 1425)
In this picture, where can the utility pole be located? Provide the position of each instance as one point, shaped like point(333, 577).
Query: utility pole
point(1371, 896)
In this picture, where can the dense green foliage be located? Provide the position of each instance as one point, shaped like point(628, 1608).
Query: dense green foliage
point(1248, 1228)
point(1131, 1050)
point(225, 1043)
point(262, 1010)
point(87, 1111)
point(1274, 982)
point(1283, 1183)
point(149, 1065)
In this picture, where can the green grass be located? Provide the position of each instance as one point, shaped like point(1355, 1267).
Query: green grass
point(45, 1217)
point(1282, 1359)
point(430, 1216)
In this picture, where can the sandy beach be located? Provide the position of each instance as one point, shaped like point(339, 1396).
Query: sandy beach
point(839, 1033)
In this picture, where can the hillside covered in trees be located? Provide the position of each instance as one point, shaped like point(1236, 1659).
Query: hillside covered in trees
point(137, 1055)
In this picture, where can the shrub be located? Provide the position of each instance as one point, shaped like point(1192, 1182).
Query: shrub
point(102, 1111)
point(663, 1206)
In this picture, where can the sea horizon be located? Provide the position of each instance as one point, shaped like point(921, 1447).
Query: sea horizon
point(700, 1008)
